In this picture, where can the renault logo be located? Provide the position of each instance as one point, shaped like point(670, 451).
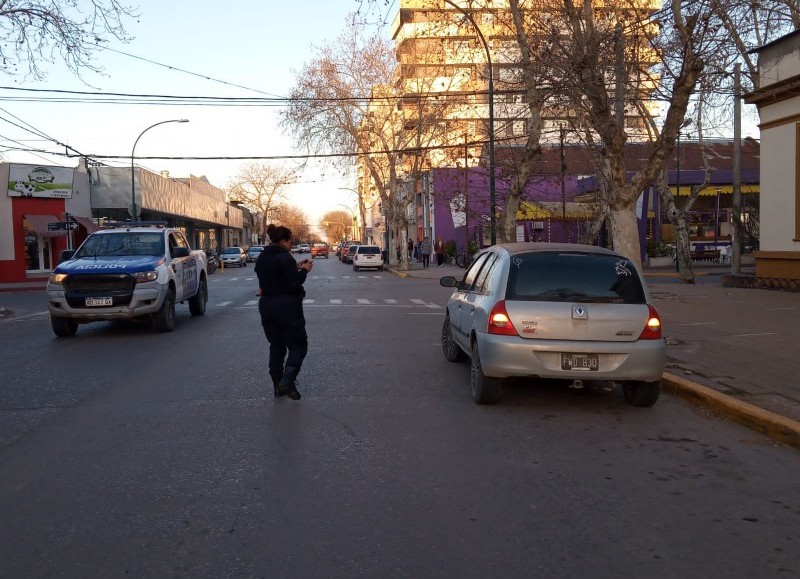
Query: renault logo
point(579, 312)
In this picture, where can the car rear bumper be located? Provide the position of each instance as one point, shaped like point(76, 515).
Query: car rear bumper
point(507, 356)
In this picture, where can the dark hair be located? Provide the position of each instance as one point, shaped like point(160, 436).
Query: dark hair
point(278, 233)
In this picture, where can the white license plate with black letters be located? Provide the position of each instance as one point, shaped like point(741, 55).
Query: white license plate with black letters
point(585, 362)
point(99, 302)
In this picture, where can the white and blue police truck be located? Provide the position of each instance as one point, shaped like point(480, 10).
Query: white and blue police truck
point(130, 271)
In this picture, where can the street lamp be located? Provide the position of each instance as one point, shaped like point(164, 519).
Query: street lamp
point(352, 213)
point(360, 211)
point(135, 212)
point(492, 216)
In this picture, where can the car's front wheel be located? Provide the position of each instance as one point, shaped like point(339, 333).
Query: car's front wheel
point(641, 393)
point(485, 390)
point(452, 352)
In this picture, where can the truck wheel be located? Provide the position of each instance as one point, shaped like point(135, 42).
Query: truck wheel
point(63, 327)
point(164, 319)
point(197, 303)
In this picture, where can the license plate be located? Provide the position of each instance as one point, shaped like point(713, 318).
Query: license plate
point(585, 362)
point(95, 302)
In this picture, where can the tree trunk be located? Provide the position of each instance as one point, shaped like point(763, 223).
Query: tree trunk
point(684, 257)
point(623, 221)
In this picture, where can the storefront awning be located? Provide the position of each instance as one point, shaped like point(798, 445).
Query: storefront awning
point(554, 210)
point(749, 189)
point(90, 225)
point(39, 224)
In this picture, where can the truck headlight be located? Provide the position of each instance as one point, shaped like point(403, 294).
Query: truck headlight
point(143, 276)
point(57, 278)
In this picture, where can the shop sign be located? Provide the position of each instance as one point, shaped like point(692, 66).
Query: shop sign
point(40, 181)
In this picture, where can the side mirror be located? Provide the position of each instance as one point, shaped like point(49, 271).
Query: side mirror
point(66, 255)
point(448, 281)
point(180, 251)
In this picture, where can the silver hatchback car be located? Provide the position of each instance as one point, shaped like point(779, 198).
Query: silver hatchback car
point(554, 311)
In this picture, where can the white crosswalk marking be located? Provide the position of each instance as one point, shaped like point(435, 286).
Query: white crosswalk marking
point(418, 302)
point(363, 301)
point(307, 301)
point(252, 303)
point(336, 301)
point(345, 277)
point(390, 301)
point(223, 304)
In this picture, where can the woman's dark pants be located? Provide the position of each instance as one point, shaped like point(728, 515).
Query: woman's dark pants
point(285, 327)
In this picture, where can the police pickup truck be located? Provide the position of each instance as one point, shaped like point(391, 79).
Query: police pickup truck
point(133, 270)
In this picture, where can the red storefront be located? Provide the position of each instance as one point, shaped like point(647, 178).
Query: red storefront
point(34, 208)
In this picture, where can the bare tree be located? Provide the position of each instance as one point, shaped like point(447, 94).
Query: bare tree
point(294, 218)
point(37, 31)
point(346, 102)
point(337, 225)
point(260, 187)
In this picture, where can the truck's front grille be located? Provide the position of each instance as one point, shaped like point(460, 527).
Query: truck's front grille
point(119, 287)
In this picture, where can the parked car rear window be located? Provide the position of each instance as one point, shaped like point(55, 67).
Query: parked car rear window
point(368, 249)
point(573, 276)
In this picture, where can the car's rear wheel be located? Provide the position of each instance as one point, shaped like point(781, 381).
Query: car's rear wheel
point(641, 393)
point(451, 350)
point(63, 327)
point(164, 319)
point(485, 390)
point(197, 303)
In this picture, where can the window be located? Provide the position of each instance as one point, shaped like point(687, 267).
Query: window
point(472, 272)
point(483, 276)
point(571, 276)
point(38, 251)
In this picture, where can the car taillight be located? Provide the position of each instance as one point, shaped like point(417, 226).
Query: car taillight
point(652, 329)
point(499, 322)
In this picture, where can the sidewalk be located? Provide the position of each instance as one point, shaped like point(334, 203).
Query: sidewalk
point(731, 351)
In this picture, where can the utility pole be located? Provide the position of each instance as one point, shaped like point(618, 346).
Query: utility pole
point(466, 197)
point(736, 253)
point(563, 186)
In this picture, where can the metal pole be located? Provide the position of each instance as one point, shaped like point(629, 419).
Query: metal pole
point(136, 211)
point(677, 199)
point(466, 198)
point(492, 200)
point(736, 242)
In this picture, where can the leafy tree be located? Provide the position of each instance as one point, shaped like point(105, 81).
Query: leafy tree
point(33, 32)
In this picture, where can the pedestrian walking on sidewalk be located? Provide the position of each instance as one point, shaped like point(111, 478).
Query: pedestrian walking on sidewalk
point(439, 250)
point(410, 248)
point(280, 285)
point(425, 252)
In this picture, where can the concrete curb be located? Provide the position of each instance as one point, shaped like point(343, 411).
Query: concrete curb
point(774, 425)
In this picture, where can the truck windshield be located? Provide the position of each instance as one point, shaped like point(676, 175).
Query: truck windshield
point(122, 243)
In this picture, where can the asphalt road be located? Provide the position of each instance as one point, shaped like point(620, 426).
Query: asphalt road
point(126, 453)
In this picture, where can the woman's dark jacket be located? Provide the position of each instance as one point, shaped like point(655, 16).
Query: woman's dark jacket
point(278, 274)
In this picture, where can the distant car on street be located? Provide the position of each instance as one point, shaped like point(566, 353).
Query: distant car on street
point(348, 253)
point(254, 252)
point(305, 248)
point(554, 311)
point(367, 256)
point(295, 249)
point(319, 250)
point(233, 256)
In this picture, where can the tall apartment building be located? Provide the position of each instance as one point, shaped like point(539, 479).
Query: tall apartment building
point(442, 57)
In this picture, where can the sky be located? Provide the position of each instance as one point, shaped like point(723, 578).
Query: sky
point(259, 45)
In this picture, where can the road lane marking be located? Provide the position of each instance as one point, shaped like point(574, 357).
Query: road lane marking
point(757, 334)
point(779, 309)
point(336, 301)
point(223, 304)
point(418, 302)
point(390, 301)
point(252, 303)
point(363, 301)
point(699, 324)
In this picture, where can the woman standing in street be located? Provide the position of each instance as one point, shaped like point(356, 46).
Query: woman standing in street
point(280, 283)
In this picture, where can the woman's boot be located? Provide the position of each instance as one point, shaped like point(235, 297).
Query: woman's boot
point(287, 385)
point(276, 380)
